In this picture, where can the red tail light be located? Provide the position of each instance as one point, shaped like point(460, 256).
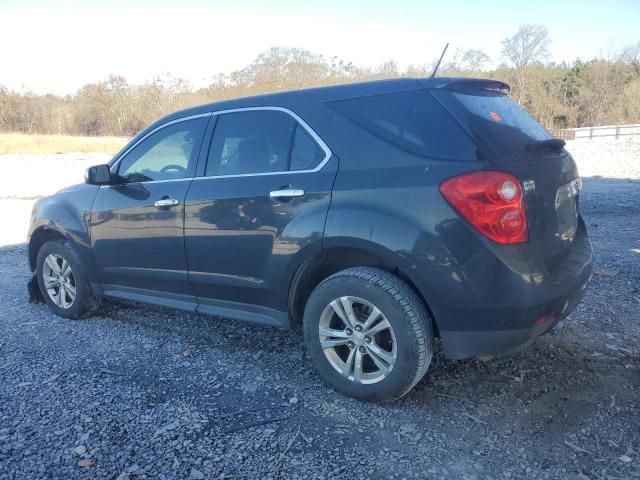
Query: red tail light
point(492, 202)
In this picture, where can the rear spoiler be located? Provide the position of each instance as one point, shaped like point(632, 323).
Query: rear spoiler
point(472, 84)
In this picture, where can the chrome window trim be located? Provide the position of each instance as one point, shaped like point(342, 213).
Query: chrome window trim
point(321, 143)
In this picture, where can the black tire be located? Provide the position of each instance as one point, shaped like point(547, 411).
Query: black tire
point(85, 303)
point(404, 310)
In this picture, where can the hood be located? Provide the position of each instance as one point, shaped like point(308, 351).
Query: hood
point(77, 187)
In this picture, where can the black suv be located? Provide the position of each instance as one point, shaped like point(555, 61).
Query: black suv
point(377, 216)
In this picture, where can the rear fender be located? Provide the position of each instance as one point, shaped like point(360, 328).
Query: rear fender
point(423, 241)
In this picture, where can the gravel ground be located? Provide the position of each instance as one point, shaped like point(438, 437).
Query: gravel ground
point(144, 392)
point(607, 157)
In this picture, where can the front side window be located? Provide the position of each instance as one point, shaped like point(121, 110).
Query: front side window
point(260, 141)
point(168, 154)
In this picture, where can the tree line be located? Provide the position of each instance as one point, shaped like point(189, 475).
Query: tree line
point(601, 91)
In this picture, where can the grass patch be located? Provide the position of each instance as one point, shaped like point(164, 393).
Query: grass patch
point(39, 144)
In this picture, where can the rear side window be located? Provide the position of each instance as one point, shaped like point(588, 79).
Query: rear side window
point(250, 142)
point(414, 121)
point(260, 141)
point(306, 154)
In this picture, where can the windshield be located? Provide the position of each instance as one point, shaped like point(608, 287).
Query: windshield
point(500, 123)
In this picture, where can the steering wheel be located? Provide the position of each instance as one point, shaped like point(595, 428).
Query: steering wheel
point(178, 168)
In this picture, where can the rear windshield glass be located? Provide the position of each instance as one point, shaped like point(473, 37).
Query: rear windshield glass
point(500, 122)
point(413, 121)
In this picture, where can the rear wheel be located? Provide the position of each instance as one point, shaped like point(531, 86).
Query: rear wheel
point(368, 334)
point(63, 280)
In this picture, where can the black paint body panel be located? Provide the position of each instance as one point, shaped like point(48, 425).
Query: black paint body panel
point(230, 250)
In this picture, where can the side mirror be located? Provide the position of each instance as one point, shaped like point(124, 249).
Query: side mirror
point(97, 175)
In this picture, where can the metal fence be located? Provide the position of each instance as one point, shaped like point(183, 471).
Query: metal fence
point(616, 131)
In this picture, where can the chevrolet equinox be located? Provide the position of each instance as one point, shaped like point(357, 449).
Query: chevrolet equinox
point(377, 216)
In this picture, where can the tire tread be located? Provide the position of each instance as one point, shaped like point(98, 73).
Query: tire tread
point(413, 307)
point(90, 302)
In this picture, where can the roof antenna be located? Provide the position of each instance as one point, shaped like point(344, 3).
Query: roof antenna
point(435, 70)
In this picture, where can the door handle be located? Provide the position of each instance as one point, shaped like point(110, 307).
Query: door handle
point(166, 202)
point(286, 193)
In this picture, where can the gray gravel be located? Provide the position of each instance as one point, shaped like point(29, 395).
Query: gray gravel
point(143, 392)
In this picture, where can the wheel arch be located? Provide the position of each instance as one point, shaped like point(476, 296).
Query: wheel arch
point(331, 260)
point(64, 216)
point(39, 237)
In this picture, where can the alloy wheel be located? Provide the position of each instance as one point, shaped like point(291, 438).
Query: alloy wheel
point(357, 340)
point(59, 281)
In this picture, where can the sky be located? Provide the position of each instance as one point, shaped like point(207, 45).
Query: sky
point(57, 46)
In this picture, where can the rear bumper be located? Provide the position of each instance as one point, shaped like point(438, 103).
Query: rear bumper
point(465, 344)
point(510, 310)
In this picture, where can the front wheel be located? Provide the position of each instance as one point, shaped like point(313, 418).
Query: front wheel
point(368, 334)
point(63, 281)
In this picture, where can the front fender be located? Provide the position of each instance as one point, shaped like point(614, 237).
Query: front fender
point(64, 214)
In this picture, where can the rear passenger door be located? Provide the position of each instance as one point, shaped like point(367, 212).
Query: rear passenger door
point(257, 210)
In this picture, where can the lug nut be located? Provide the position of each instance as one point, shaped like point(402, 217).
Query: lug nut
point(363, 350)
point(358, 328)
point(348, 331)
point(367, 339)
point(351, 344)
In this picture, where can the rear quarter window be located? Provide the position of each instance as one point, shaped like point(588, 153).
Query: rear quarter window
point(497, 108)
point(413, 121)
point(497, 122)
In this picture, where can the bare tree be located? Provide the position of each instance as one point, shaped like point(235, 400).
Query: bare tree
point(602, 91)
point(4, 106)
point(282, 68)
point(462, 60)
point(388, 69)
point(631, 54)
point(528, 47)
point(474, 59)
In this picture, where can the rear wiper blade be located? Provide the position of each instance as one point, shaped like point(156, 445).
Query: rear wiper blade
point(552, 144)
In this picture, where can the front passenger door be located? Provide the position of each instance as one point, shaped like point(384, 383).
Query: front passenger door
point(137, 222)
